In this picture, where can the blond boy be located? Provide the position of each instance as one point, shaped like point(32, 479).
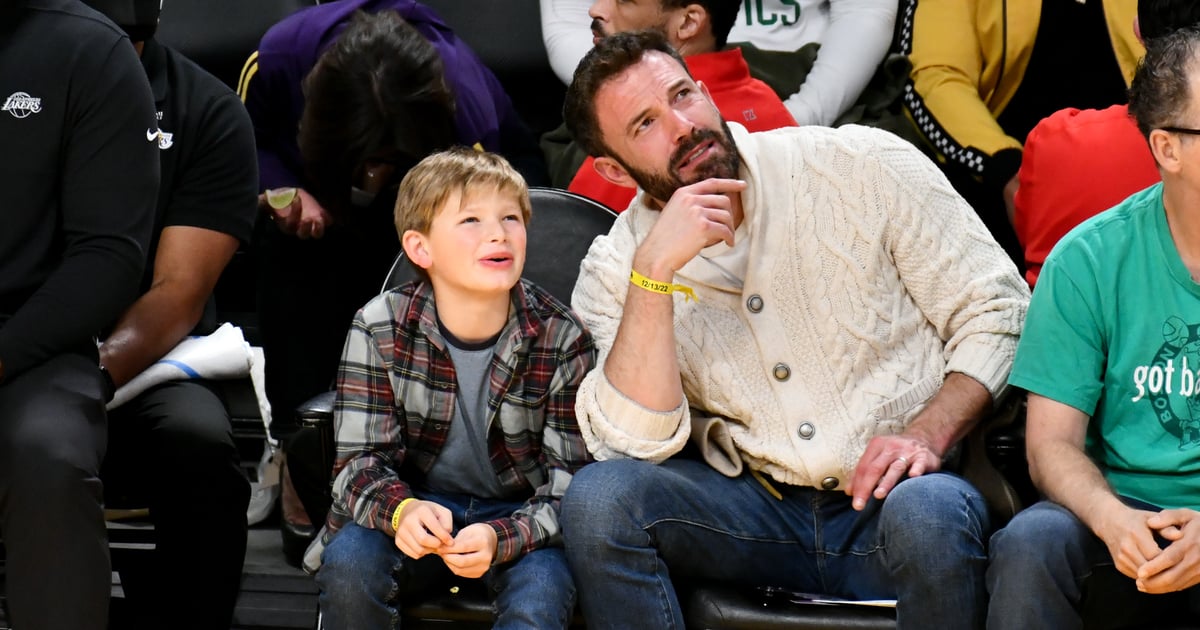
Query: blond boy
point(455, 421)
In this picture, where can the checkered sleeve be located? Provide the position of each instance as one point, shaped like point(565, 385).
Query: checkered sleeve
point(370, 440)
point(566, 358)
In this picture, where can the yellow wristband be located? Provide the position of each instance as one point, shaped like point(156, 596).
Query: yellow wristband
point(654, 286)
point(396, 514)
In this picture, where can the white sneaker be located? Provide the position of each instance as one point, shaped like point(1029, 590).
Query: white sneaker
point(264, 491)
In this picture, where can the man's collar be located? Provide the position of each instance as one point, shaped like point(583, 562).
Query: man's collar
point(721, 69)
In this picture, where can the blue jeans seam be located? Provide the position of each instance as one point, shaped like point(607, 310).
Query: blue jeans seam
point(394, 595)
point(716, 530)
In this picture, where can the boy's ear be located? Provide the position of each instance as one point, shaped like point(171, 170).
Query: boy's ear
point(612, 171)
point(416, 248)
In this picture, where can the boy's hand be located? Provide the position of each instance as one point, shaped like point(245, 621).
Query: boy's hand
point(424, 528)
point(471, 553)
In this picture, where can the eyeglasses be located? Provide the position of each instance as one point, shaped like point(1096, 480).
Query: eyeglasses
point(1184, 130)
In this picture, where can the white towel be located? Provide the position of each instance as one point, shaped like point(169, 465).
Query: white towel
point(222, 355)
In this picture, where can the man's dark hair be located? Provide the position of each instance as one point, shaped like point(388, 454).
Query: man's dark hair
point(379, 88)
point(1160, 92)
point(721, 13)
point(607, 59)
point(1159, 17)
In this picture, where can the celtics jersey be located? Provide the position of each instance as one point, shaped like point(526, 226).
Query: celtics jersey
point(781, 24)
point(1114, 331)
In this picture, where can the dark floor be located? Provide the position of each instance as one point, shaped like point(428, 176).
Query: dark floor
point(275, 595)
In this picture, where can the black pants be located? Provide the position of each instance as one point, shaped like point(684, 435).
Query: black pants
point(172, 449)
point(52, 440)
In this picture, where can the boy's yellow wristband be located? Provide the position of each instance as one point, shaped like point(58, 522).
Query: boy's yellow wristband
point(396, 514)
point(665, 288)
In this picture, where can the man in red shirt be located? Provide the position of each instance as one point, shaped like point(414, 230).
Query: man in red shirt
point(1078, 163)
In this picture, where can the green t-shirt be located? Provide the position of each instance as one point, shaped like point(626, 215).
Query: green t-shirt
point(1114, 331)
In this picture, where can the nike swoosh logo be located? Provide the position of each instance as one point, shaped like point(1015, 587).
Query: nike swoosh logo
point(151, 135)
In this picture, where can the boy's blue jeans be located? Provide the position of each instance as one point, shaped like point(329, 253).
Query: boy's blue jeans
point(1047, 568)
point(632, 527)
point(364, 578)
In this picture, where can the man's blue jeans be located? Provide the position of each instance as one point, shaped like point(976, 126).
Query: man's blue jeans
point(364, 578)
point(1047, 568)
point(631, 526)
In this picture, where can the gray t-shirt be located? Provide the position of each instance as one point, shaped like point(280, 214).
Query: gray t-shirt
point(463, 466)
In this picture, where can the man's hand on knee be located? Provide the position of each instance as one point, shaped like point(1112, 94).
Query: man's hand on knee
point(887, 460)
point(1129, 538)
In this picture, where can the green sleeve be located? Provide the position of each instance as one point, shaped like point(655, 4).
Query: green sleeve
point(1063, 352)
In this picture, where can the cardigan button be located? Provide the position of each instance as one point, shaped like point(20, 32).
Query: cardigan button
point(829, 483)
point(807, 430)
point(782, 372)
point(754, 304)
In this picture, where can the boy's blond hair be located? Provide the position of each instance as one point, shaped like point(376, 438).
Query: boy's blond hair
point(431, 182)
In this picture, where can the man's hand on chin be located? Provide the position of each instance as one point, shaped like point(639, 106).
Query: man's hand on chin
point(695, 217)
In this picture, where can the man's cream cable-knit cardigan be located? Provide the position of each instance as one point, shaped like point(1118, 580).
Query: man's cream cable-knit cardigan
point(875, 280)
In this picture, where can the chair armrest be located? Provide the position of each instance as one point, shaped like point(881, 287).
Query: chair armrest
point(316, 410)
point(1005, 447)
point(988, 458)
point(310, 453)
point(714, 605)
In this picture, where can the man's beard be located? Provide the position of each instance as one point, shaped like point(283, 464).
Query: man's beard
point(662, 186)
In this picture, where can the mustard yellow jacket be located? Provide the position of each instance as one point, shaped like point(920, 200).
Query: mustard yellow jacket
point(969, 57)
